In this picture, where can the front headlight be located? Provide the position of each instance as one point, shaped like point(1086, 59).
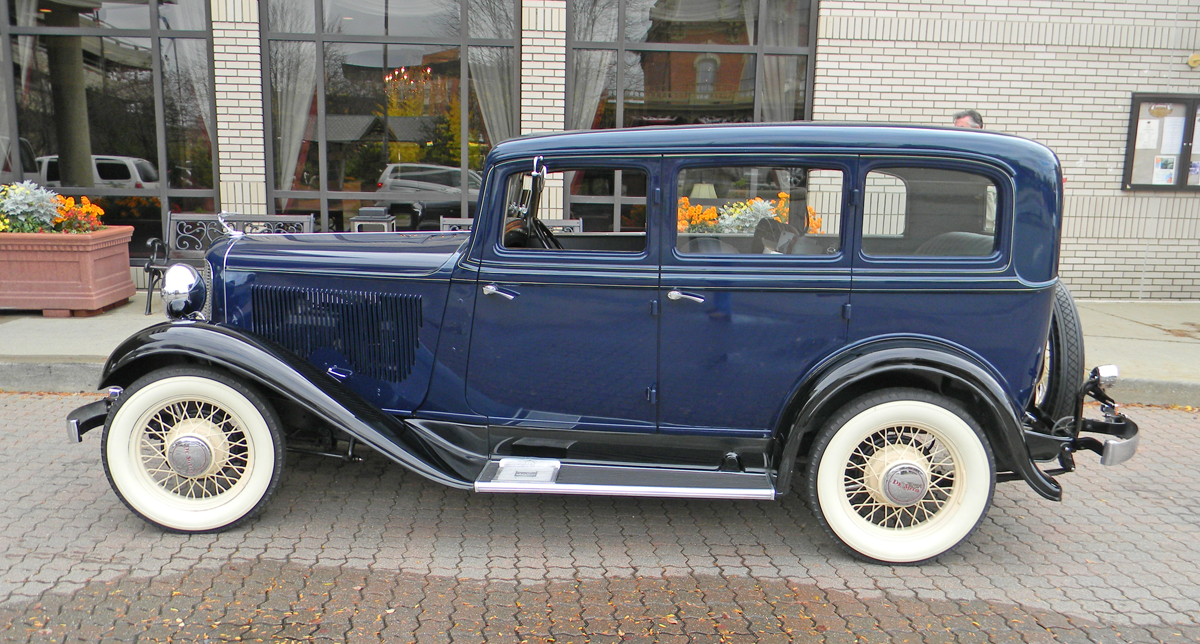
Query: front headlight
point(183, 291)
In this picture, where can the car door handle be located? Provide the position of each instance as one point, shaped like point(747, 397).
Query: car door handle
point(492, 289)
point(676, 295)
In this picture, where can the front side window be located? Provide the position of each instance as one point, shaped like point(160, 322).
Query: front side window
point(583, 209)
point(758, 210)
point(1163, 132)
point(929, 212)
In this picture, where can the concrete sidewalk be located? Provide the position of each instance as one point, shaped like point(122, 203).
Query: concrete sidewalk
point(1156, 345)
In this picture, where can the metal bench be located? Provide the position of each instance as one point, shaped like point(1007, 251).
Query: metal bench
point(190, 234)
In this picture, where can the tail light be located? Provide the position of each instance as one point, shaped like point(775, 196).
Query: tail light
point(138, 185)
point(379, 185)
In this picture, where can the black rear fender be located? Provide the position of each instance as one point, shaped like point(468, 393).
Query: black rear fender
point(279, 372)
point(908, 362)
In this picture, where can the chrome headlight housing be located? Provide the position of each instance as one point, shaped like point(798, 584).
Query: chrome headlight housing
point(183, 292)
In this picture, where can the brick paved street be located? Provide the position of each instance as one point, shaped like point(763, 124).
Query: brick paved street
point(365, 552)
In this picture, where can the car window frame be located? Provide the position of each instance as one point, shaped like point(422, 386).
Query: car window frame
point(490, 239)
point(675, 163)
point(999, 260)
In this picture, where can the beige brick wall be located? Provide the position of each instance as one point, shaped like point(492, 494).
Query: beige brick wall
point(544, 80)
point(237, 68)
point(1061, 73)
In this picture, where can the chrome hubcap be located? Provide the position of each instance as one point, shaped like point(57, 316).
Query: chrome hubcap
point(905, 483)
point(189, 456)
point(899, 477)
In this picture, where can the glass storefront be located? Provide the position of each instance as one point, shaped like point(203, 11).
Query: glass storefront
point(113, 100)
point(636, 63)
point(389, 122)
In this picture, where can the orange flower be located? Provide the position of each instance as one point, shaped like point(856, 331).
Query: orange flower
point(83, 217)
point(694, 218)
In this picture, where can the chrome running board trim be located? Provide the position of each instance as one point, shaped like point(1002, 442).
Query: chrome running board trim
point(553, 477)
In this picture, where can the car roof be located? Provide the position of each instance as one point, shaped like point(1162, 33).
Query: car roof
point(812, 137)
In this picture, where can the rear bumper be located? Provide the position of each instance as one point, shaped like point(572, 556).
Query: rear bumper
point(1062, 439)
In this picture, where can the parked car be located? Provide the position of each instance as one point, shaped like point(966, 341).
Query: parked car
point(107, 172)
point(420, 194)
point(874, 309)
point(28, 162)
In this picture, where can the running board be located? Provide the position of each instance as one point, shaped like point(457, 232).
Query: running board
point(549, 476)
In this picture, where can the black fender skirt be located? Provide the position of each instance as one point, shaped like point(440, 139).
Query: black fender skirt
point(271, 367)
point(929, 361)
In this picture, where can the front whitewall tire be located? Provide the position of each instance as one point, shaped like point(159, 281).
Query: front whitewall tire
point(884, 440)
point(191, 449)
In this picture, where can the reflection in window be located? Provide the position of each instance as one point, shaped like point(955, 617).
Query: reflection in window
point(425, 18)
point(758, 210)
point(388, 107)
point(689, 61)
point(187, 108)
point(85, 97)
point(929, 212)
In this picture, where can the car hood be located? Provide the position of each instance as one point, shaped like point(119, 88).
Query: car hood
point(360, 254)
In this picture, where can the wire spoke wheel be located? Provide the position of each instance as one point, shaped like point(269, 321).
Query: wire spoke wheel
point(191, 449)
point(195, 426)
point(900, 476)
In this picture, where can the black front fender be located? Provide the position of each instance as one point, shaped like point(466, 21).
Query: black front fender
point(274, 368)
point(901, 360)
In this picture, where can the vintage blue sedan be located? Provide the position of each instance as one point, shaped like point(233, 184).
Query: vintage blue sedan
point(681, 312)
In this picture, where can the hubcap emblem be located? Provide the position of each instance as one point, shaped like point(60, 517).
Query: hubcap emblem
point(189, 456)
point(905, 484)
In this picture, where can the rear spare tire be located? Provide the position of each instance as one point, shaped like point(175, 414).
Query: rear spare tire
point(1062, 364)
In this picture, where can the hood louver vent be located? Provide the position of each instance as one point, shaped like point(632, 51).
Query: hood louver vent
point(375, 332)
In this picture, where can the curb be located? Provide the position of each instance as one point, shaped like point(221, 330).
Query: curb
point(1155, 392)
point(64, 377)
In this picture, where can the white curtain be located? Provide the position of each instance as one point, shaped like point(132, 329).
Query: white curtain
point(26, 17)
point(593, 67)
point(192, 59)
point(491, 70)
point(785, 27)
point(293, 86)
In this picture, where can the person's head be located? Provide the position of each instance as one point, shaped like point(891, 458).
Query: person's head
point(968, 118)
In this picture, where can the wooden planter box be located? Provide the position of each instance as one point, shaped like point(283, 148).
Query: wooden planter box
point(64, 274)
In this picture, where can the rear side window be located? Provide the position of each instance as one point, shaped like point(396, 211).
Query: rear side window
point(758, 210)
point(52, 170)
point(148, 172)
point(929, 212)
point(113, 171)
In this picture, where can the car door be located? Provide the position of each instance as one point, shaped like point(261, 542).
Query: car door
point(934, 261)
point(753, 289)
point(565, 338)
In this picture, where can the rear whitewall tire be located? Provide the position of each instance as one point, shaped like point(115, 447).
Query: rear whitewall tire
point(881, 430)
point(193, 406)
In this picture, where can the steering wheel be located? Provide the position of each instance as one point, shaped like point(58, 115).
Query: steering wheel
point(543, 234)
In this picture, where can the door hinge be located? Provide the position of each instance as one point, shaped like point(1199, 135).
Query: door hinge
point(657, 196)
point(846, 311)
point(652, 394)
point(854, 196)
point(654, 307)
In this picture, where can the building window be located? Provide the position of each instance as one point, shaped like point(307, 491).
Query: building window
point(633, 63)
point(706, 75)
point(114, 101)
point(386, 103)
point(1164, 129)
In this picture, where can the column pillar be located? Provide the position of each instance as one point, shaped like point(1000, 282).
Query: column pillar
point(237, 69)
point(544, 81)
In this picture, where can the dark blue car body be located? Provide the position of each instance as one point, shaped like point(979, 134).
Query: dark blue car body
point(449, 351)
